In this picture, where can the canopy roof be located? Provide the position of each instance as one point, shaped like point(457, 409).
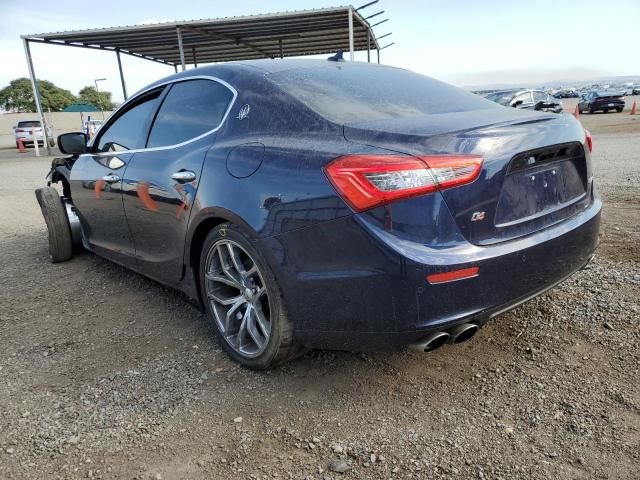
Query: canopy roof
point(305, 32)
point(81, 107)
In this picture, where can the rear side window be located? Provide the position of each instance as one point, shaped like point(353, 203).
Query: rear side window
point(129, 130)
point(190, 109)
point(28, 124)
point(345, 93)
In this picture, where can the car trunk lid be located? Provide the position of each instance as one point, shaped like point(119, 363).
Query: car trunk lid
point(535, 171)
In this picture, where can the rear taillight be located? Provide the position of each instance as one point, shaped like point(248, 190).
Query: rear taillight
point(19, 130)
point(367, 181)
point(589, 140)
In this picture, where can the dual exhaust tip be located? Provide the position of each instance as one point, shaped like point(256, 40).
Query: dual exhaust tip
point(458, 334)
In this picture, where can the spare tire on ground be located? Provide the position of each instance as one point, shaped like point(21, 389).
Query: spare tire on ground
point(55, 216)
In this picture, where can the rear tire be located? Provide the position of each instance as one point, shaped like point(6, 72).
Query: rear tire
point(232, 279)
point(55, 216)
point(619, 110)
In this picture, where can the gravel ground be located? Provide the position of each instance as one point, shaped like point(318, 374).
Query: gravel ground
point(105, 374)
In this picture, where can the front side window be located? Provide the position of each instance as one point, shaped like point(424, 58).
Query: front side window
point(190, 109)
point(525, 97)
point(539, 96)
point(129, 130)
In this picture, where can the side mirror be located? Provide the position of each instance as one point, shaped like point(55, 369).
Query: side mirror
point(542, 104)
point(517, 103)
point(73, 143)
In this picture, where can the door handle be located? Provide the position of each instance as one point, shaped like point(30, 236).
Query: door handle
point(111, 178)
point(184, 176)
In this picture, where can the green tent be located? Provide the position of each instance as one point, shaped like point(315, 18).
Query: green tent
point(81, 107)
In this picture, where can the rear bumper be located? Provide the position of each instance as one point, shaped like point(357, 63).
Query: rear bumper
point(607, 106)
point(351, 285)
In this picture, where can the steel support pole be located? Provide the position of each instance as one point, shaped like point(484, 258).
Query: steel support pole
point(368, 46)
point(180, 48)
point(351, 34)
point(195, 60)
point(378, 50)
point(124, 85)
point(36, 96)
point(175, 67)
point(281, 50)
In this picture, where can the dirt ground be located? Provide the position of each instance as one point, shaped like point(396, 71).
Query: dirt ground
point(105, 374)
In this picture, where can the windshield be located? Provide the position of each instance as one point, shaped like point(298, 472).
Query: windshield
point(503, 98)
point(345, 93)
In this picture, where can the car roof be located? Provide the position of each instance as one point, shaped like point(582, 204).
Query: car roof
point(258, 68)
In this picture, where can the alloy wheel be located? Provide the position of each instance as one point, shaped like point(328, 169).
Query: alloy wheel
point(238, 298)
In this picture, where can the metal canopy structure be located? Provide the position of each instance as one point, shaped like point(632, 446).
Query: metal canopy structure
point(273, 35)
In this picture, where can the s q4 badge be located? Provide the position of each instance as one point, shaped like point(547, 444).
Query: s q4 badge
point(477, 216)
point(244, 112)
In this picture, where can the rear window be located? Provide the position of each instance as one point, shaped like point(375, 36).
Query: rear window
point(345, 93)
point(29, 123)
point(608, 94)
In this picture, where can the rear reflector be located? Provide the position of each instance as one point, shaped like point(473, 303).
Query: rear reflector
point(445, 277)
point(589, 140)
point(367, 181)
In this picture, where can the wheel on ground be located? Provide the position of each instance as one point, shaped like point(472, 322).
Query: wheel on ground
point(619, 110)
point(243, 301)
point(592, 111)
point(55, 216)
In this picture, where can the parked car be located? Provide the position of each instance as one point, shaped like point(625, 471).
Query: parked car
point(527, 99)
point(601, 101)
point(635, 91)
point(27, 130)
point(308, 204)
point(566, 94)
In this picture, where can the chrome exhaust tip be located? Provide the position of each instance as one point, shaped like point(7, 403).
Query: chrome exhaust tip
point(463, 332)
point(430, 342)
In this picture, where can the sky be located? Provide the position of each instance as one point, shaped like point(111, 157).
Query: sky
point(464, 42)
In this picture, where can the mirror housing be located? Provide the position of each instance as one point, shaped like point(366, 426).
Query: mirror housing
point(74, 143)
point(517, 103)
point(542, 105)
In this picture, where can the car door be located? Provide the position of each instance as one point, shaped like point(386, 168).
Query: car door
point(161, 181)
point(97, 178)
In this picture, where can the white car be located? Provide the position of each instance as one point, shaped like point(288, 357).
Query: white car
point(26, 130)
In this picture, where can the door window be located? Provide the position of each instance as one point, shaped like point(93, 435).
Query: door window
point(539, 96)
point(129, 130)
point(190, 109)
point(525, 97)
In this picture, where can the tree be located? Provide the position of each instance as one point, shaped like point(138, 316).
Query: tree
point(102, 100)
point(18, 96)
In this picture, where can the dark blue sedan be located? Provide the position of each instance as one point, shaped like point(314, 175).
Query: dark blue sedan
point(318, 204)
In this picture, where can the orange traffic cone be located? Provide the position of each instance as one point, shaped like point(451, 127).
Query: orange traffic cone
point(21, 148)
point(633, 109)
point(576, 112)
